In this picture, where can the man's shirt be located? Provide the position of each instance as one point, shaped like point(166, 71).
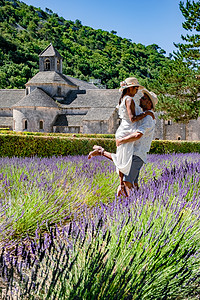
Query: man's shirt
point(146, 126)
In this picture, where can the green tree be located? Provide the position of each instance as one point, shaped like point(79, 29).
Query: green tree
point(177, 87)
point(190, 49)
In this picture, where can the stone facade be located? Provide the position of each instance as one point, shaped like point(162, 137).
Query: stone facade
point(175, 131)
point(55, 102)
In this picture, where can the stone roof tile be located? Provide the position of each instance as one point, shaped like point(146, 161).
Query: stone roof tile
point(92, 98)
point(99, 114)
point(10, 97)
point(83, 85)
point(37, 98)
point(68, 120)
point(48, 77)
point(50, 51)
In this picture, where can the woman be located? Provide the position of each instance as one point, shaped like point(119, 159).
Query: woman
point(129, 113)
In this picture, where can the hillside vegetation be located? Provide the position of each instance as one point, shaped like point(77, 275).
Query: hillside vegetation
point(87, 53)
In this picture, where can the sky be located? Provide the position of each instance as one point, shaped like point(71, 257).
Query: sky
point(143, 21)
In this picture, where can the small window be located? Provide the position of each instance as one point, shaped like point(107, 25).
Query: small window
point(47, 64)
point(179, 138)
point(59, 91)
point(41, 125)
point(58, 65)
point(25, 125)
point(168, 122)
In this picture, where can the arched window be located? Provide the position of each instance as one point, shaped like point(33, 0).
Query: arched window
point(168, 122)
point(58, 65)
point(25, 125)
point(41, 125)
point(47, 64)
point(179, 138)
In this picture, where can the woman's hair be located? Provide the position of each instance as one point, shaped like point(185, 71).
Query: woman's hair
point(122, 95)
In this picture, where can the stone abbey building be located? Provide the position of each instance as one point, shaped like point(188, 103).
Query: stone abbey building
point(54, 102)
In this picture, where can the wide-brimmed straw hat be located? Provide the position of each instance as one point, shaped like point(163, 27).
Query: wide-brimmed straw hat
point(128, 82)
point(152, 96)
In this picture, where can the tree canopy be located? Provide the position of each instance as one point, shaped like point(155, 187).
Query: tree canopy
point(190, 48)
point(178, 84)
point(178, 88)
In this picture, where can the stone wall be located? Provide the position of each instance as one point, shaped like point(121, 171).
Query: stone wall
point(6, 112)
point(67, 129)
point(75, 111)
point(174, 131)
point(33, 117)
point(113, 122)
point(180, 131)
point(98, 127)
point(53, 64)
point(101, 126)
point(159, 129)
point(193, 130)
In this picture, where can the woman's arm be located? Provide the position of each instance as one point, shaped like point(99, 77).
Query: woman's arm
point(130, 106)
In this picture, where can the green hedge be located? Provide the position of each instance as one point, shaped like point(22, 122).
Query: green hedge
point(45, 146)
point(165, 146)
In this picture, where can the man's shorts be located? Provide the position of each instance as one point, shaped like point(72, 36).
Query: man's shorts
point(133, 175)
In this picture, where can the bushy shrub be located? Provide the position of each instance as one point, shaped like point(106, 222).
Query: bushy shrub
point(45, 145)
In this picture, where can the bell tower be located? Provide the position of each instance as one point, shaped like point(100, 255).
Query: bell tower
point(50, 60)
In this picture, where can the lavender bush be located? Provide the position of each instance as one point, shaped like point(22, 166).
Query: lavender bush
point(36, 192)
point(142, 247)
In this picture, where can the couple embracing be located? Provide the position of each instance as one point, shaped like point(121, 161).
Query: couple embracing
point(133, 136)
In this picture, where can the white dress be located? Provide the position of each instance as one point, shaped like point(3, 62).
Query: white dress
point(123, 157)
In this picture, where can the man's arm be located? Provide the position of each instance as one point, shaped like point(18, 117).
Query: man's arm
point(129, 138)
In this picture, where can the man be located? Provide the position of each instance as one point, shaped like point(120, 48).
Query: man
point(142, 139)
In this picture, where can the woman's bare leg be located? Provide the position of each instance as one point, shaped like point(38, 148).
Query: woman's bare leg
point(128, 186)
point(99, 151)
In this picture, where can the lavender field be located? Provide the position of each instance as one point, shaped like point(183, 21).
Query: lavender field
point(65, 235)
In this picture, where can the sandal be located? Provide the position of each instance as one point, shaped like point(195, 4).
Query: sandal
point(94, 153)
point(99, 148)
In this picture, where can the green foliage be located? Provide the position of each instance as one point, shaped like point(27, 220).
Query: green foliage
point(46, 146)
point(87, 53)
point(178, 89)
point(161, 147)
point(189, 50)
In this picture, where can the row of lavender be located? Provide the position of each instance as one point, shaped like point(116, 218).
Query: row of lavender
point(71, 238)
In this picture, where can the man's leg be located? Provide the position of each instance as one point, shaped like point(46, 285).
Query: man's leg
point(131, 180)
